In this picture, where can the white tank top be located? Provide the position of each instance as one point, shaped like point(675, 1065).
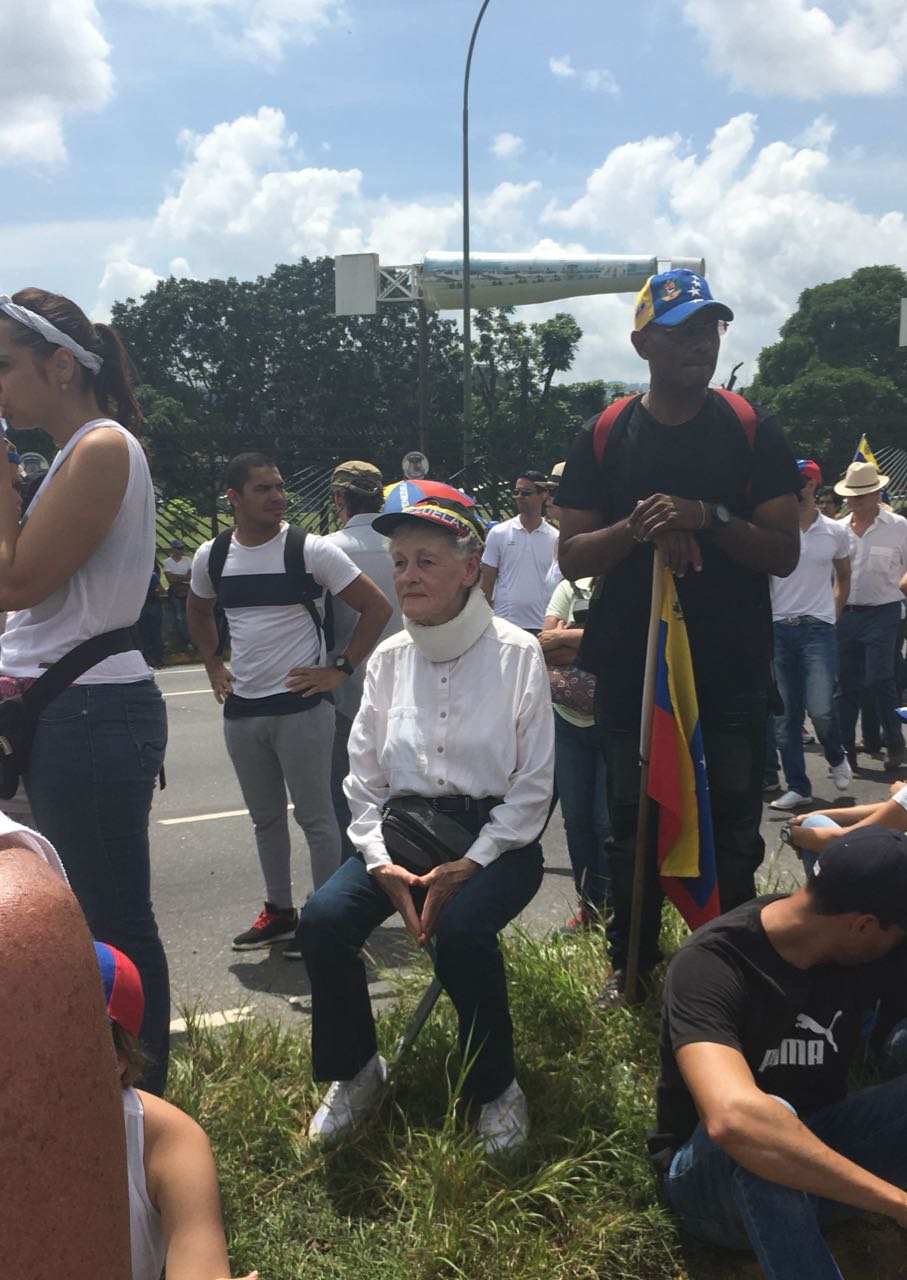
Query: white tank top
point(146, 1233)
point(104, 593)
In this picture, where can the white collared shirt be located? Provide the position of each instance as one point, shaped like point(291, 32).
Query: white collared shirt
point(522, 559)
point(478, 726)
point(878, 560)
point(807, 592)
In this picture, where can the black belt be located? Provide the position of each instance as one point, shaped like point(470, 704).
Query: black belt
point(865, 608)
point(464, 804)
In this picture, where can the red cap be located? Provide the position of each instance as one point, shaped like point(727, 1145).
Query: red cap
point(123, 992)
point(809, 470)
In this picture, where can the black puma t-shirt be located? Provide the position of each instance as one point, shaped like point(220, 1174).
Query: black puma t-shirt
point(727, 606)
point(798, 1029)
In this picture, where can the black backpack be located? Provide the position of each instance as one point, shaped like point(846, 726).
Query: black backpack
point(303, 588)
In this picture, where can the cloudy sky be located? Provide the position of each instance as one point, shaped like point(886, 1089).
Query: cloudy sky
point(141, 138)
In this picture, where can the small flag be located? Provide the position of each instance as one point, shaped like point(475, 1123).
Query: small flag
point(677, 778)
point(865, 454)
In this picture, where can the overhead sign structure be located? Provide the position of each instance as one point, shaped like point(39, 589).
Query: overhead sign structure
point(496, 279)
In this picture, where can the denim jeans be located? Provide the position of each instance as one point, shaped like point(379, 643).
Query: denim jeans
point(334, 925)
point(733, 731)
point(867, 643)
point(178, 608)
point(579, 767)
point(340, 767)
point(721, 1202)
point(97, 752)
point(805, 669)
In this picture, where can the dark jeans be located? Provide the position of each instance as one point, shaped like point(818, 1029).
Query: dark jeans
point(97, 752)
point(721, 1202)
point(340, 767)
point(334, 925)
point(178, 608)
point(867, 643)
point(733, 731)
point(805, 667)
point(580, 772)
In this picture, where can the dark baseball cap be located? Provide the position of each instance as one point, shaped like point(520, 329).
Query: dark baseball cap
point(865, 871)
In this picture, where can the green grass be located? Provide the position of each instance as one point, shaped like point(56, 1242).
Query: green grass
point(413, 1200)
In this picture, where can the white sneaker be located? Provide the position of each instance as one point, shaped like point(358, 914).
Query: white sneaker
point(806, 737)
point(348, 1104)
point(841, 775)
point(504, 1123)
point(791, 800)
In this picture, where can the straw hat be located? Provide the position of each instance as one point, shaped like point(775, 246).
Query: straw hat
point(860, 478)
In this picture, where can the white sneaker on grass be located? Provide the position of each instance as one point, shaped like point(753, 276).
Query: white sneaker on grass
point(841, 775)
point(503, 1123)
point(791, 800)
point(348, 1104)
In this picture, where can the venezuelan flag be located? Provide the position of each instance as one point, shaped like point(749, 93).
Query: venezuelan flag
point(677, 778)
point(865, 454)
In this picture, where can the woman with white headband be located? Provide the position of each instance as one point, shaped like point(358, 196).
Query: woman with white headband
point(79, 568)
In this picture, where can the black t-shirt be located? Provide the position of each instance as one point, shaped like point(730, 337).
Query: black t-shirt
point(798, 1029)
point(726, 606)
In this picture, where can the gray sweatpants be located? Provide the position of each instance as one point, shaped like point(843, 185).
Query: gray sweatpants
point(276, 754)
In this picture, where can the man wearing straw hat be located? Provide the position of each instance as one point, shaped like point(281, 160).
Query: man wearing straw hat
point(712, 484)
point(869, 626)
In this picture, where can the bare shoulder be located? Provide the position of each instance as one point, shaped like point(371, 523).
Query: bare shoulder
point(165, 1124)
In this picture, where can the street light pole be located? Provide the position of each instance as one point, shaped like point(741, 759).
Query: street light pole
point(467, 317)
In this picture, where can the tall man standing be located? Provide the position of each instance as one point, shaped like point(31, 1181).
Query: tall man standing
point(518, 555)
point(278, 727)
point(805, 607)
point(870, 624)
point(681, 472)
point(357, 489)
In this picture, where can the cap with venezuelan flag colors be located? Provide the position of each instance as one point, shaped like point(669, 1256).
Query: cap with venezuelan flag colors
point(123, 994)
point(461, 521)
point(674, 296)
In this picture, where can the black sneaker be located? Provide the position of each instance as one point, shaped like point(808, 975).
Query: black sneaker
point(272, 925)
point(292, 951)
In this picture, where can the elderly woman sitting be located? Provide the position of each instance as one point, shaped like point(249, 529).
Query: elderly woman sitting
point(455, 709)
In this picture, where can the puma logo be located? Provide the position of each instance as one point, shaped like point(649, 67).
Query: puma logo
point(806, 1023)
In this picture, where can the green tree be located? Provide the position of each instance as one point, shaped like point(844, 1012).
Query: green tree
point(836, 371)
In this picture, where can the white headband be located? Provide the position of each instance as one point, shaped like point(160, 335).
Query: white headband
point(50, 331)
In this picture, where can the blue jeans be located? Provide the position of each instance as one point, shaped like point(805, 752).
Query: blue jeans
point(97, 752)
point(721, 1202)
point(340, 767)
point(178, 607)
point(805, 668)
point(579, 768)
point(867, 643)
point(334, 925)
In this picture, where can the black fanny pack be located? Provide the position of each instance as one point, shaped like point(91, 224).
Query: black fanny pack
point(19, 713)
point(420, 834)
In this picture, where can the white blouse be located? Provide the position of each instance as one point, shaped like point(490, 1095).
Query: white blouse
point(480, 725)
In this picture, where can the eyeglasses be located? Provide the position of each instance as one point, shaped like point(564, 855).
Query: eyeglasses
point(526, 493)
point(692, 331)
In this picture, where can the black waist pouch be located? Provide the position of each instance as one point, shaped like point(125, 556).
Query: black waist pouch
point(420, 836)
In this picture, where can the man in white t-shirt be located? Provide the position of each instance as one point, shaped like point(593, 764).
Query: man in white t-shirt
point(518, 556)
point(806, 606)
point(278, 723)
point(177, 569)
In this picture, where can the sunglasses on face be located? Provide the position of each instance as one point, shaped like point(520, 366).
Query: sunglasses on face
point(526, 493)
point(692, 332)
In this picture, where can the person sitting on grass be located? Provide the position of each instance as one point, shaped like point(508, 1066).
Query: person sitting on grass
point(174, 1204)
point(810, 833)
point(757, 1141)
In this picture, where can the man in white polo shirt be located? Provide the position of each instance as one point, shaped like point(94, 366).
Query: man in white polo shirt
point(869, 626)
point(518, 556)
point(805, 607)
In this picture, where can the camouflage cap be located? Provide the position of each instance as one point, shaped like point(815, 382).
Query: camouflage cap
point(361, 477)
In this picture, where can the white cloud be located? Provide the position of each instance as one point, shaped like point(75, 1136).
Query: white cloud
point(258, 29)
point(506, 145)
point(818, 133)
point(757, 214)
point(595, 80)
point(51, 67)
point(798, 49)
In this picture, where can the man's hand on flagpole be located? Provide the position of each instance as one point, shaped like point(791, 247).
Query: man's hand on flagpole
point(680, 551)
point(662, 513)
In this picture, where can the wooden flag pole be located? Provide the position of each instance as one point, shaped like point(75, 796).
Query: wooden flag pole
point(631, 979)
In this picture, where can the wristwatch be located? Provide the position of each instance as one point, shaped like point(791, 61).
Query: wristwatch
point(343, 664)
point(721, 517)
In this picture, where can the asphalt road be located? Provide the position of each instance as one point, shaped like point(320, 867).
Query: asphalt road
point(207, 886)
